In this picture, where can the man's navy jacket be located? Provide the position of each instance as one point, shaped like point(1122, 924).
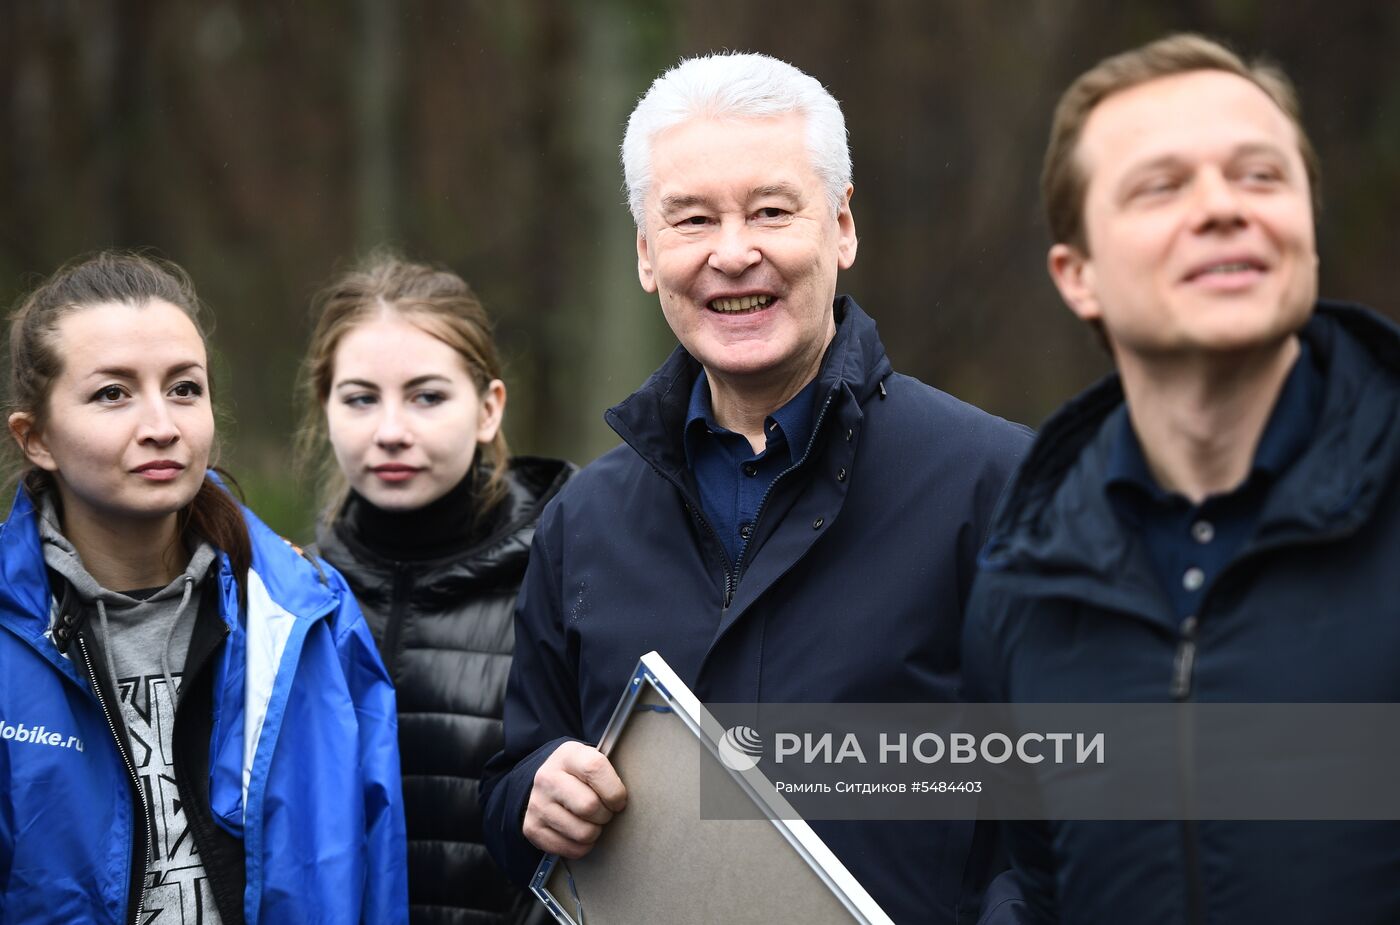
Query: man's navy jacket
point(852, 590)
point(1068, 609)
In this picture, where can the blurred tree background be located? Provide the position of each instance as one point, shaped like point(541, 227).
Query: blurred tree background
point(264, 145)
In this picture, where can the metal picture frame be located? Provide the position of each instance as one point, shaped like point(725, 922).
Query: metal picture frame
point(660, 860)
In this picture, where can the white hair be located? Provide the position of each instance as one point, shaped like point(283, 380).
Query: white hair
point(736, 85)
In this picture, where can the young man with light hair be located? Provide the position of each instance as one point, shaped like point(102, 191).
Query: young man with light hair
point(787, 520)
point(1217, 523)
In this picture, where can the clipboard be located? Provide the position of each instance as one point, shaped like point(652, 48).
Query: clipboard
point(659, 861)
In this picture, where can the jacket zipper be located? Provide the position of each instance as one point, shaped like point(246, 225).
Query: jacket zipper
point(729, 580)
point(130, 770)
point(1181, 692)
point(1185, 661)
point(763, 502)
point(1182, 669)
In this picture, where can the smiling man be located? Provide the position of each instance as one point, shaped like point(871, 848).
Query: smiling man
point(787, 520)
point(1219, 522)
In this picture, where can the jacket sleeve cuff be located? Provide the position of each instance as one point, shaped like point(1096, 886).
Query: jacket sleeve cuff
point(505, 802)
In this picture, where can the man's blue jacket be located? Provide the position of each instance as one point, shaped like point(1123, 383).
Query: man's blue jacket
point(1068, 609)
point(852, 589)
point(303, 755)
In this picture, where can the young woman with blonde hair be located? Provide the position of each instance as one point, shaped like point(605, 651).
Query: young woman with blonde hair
point(430, 521)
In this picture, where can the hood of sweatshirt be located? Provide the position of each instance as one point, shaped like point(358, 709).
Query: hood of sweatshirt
point(115, 609)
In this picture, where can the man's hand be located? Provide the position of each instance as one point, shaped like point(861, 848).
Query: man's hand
point(576, 793)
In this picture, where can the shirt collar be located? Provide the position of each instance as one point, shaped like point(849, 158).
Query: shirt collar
point(1287, 433)
point(1127, 466)
point(792, 423)
point(1294, 416)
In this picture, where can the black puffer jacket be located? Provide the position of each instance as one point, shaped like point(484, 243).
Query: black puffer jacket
point(445, 630)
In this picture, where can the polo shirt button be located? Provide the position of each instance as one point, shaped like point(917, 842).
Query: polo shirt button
point(841, 474)
point(1193, 579)
point(750, 469)
point(746, 530)
point(1202, 531)
point(817, 524)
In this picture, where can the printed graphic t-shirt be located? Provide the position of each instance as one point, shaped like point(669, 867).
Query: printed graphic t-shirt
point(135, 630)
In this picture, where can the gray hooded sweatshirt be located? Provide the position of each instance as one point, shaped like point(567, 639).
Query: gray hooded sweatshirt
point(146, 639)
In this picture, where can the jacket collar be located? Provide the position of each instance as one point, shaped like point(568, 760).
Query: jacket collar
point(291, 580)
point(1055, 521)
point(652, 419)
point(24, 583)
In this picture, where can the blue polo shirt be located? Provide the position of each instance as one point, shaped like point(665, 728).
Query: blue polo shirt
point(733, 481)
point(1189, 544)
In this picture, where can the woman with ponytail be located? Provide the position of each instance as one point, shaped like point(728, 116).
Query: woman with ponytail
point(195, 726)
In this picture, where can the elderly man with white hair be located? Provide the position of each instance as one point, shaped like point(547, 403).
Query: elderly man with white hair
point(787, 518)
